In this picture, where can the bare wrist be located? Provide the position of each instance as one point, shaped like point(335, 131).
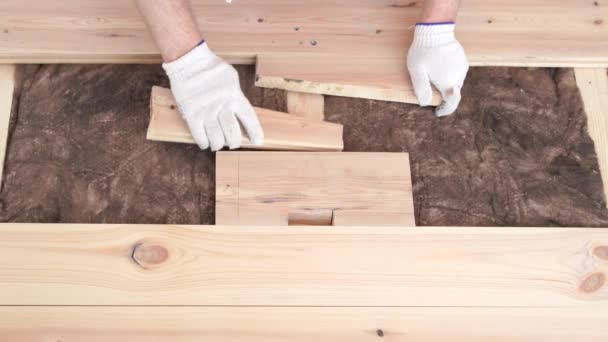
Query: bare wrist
point(434, 17)
point(438, 11)
point(176, 49)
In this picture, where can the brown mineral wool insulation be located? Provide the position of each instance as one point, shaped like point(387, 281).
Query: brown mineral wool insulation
point(516, 152)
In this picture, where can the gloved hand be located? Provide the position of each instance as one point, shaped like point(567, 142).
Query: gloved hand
point(209, 96)
point(437, 57)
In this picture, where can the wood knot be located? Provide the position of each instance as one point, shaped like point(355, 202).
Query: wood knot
point(593, 282)
point(149, 255)
point(601, 252)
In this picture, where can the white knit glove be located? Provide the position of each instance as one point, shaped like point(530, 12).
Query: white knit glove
point(437, 57)
point(209, 96)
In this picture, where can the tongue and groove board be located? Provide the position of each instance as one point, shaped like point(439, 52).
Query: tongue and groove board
point(385, 80)
point(363, 37)
point(321, 188)
point(513, 32)
point(291, 324)
point(156, 265)
point(282, 131)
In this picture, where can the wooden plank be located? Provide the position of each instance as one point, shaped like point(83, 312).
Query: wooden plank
point(76, 264)
point(306, 105)
point(517, 32)
point(593, 85)
point(7, 85)
point(354, 217)
point(271, 187)
point(282, 131)
point(366, 39)
point(232, 324)
point(385, 80)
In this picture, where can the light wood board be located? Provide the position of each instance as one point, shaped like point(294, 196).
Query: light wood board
point(306, 105)
point(62, 264)
point(365, 37)
point(281, 130)
point(386, 80)
point(514, 32)
point(276, 188)
point(593, 85)
point(7, 84)
point(237, 324)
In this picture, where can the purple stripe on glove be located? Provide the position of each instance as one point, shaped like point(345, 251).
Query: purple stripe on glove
point(433, 24)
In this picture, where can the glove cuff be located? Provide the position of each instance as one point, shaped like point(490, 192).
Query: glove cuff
point(433, 35)
point(199, 57)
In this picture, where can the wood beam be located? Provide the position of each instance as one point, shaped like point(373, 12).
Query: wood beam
point(593, 85)
point(7, 85)
point(78, 264)
point(281, 130)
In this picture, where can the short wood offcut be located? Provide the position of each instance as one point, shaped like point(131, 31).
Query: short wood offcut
point(316, 188)
point(282, 131)
point(306, 105)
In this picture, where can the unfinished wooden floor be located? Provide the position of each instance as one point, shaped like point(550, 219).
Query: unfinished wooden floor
point(169, 283)
point(356, 50)
point(185, 283)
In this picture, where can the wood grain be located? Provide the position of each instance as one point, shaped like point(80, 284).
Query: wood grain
point(7, 84)
point(281, 130)
point(63, 264)
point(306, 105)
point(236, 324)
point(593, 85)
point(271, 188)
point(378, 79)
point(516, 32)
point(360, 48)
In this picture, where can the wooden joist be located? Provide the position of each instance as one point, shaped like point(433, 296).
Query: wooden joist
point(7, 84)
point(593, 85)
point(282, 131)
point(77, 264)
point(316, 188)
point(345, 43)
point(291, 324)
